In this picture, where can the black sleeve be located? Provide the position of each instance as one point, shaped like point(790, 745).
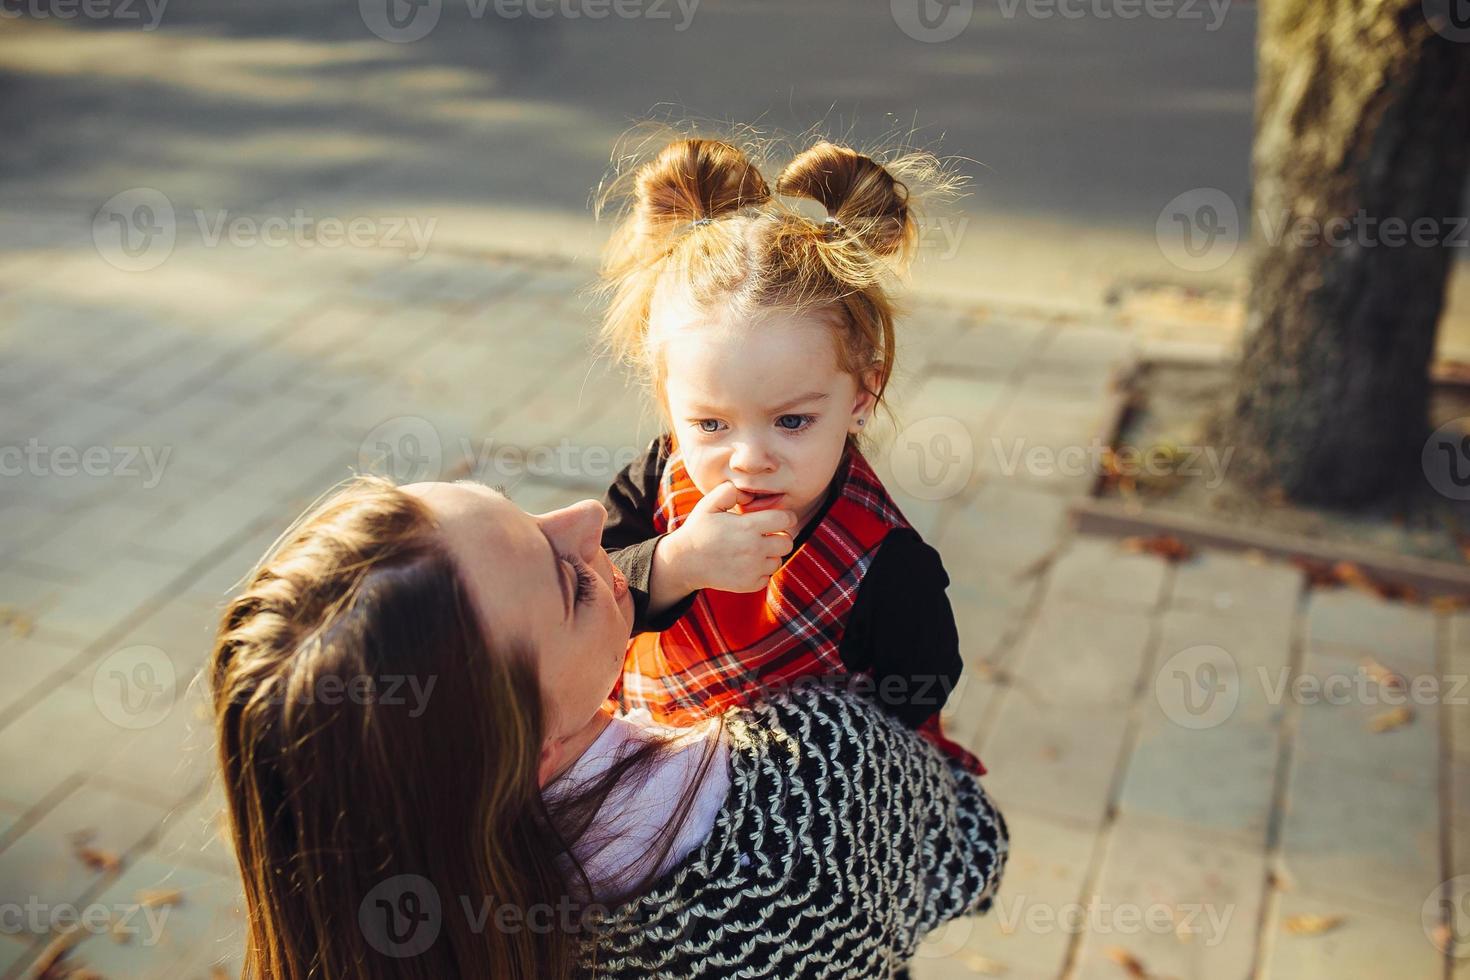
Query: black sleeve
point(630, 538)
point(902, 629)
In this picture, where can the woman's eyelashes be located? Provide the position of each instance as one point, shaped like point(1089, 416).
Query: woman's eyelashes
point(586, 581)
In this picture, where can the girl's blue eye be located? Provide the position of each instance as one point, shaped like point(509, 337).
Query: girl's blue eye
point(800, 422)
point(709, 425)
point(586, 586)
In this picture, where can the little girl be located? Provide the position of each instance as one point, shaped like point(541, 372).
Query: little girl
point(758, 543)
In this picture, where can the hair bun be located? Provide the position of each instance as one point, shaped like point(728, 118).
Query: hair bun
point(856, 190)
point(697, 178)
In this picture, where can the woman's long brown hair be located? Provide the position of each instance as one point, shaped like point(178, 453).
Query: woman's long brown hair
point(379, 747)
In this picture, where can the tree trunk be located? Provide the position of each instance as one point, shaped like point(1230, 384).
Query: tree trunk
point(1362, 115)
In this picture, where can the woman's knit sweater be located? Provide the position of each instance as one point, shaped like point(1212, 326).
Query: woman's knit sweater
point(844, 840)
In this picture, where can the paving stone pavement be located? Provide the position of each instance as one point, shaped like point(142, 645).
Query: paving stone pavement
point(1183, 752)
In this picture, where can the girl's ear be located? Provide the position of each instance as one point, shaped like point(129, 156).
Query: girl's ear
point(864, 403)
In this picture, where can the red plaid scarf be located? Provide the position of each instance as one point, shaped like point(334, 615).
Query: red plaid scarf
point(728, 644)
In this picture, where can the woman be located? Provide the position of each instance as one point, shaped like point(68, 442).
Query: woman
point(424, 779)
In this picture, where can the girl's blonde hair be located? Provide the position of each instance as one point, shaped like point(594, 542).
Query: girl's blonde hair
point(757, 254)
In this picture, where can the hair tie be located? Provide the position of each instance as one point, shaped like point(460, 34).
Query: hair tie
point(700, 221)
point(833, 222)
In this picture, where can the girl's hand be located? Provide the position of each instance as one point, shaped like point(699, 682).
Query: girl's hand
point(717, 549)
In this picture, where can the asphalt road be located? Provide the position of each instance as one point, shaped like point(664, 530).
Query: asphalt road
point(1076, 123)
point(1080, 123)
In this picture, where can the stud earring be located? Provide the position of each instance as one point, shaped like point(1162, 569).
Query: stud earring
point(861, 421)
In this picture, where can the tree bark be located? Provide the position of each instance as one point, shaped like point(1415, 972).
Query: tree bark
point(1362, 115)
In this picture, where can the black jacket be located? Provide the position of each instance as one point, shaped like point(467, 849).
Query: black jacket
point(901, 624)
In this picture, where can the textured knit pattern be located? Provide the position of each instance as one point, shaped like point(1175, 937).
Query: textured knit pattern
point(845, 839)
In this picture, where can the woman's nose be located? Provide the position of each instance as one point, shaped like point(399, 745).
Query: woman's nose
point(576, 529)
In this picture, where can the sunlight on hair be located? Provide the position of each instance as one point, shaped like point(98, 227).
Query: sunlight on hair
point(699, 225)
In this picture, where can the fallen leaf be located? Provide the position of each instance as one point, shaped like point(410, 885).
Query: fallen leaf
point(1352, 574)
point(50, 965)
point(984, 966)
point(17, 621)
point(1385, 676)
point(1165, 546)
point(153, 898)
point(1387, 721)
point(1130, 963)
point(1319, 573)
point(1311, 925)
point(98, 859)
